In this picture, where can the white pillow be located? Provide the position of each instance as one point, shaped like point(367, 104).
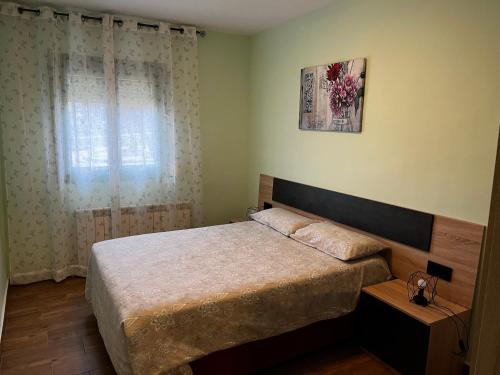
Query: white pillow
point(282, 220)
point(341, 243)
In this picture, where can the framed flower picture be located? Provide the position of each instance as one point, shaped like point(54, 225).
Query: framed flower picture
point(331, 96)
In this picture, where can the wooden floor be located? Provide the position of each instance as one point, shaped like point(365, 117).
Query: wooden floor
point(50, 330)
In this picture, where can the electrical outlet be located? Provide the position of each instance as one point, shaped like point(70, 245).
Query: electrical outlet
point(436, 269)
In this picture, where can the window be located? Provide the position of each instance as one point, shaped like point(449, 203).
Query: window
point(137, 121)
point(89, 136)
point(86, 126)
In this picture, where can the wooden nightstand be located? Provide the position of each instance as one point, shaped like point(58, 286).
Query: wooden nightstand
point(410, 338)
point(238, 220)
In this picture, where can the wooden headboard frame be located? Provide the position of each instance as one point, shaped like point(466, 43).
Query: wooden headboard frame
point(454, 243)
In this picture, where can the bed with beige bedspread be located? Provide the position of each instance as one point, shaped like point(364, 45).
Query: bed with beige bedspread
point(163, 300)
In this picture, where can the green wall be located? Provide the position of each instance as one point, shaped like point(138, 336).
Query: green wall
point(224, 61)
point(431, 110)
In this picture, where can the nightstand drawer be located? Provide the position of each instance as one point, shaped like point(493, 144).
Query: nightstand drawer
point(396, 338)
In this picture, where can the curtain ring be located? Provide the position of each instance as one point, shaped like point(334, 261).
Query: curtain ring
point(119, 23)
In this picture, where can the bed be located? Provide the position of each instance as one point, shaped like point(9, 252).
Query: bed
point(163, 300)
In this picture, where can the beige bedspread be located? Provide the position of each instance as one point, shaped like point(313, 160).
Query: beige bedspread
point(164, 299)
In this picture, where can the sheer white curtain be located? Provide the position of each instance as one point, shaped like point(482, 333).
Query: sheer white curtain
point(95, 114)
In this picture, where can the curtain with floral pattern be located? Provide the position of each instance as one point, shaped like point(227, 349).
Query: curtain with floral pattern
point(95, 113)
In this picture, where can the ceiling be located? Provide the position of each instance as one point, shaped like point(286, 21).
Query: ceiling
point(237, 16)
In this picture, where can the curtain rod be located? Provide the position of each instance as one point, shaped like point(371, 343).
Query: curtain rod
point(201, 33)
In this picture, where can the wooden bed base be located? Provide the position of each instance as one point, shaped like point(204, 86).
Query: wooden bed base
point(258, 355)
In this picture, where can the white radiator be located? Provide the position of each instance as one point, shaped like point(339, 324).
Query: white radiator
point(94, 225)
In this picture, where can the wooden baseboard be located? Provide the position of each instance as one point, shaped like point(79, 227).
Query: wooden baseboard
point(2, 312)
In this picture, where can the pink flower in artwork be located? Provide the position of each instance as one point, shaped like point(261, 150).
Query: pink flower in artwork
point(342, 93)
point(349, 81)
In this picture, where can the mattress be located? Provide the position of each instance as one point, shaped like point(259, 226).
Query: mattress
point(163, 300)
